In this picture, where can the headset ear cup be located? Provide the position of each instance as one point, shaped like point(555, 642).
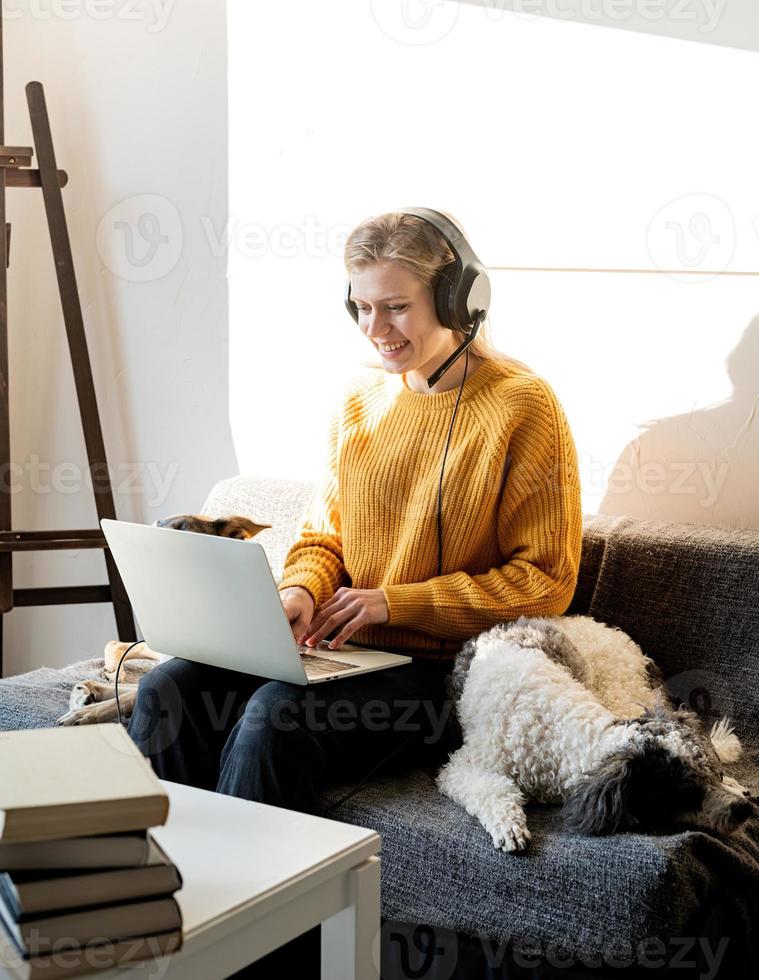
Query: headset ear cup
point(349, 304)
point(444, 287)
point(474, 293)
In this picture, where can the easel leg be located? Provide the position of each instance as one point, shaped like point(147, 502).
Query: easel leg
point(122, 608)
point(77, 340)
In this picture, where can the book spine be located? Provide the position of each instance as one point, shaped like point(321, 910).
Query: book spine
point(30, 824)
point(105, 888)
point(102, 924)
point(129, 850)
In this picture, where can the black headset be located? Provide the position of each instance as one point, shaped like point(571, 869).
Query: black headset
point(461, 290)
point(462, 298)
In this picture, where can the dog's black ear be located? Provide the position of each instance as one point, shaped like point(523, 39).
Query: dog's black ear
point(598, 804)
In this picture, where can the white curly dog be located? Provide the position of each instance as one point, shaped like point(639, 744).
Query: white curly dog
point(566, 709)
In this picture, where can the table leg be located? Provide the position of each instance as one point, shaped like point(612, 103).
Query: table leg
point(351, 939)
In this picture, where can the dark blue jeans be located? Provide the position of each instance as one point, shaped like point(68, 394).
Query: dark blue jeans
point(280, 743)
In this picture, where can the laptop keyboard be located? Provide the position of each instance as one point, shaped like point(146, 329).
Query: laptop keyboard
point(321, 665)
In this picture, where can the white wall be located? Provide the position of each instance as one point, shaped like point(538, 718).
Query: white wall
point(626, 159)
point(137, 101)
point(555, 145)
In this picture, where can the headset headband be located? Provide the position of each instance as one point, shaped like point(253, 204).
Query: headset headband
point(462, 289)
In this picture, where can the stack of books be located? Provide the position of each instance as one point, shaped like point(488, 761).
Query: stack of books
point(84, 885)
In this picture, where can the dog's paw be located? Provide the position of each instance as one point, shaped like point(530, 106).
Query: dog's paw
point(78, 716)
point(510, 837)
point(85, 692)
point(731, 784)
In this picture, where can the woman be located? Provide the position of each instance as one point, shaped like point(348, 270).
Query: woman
point(364, 566)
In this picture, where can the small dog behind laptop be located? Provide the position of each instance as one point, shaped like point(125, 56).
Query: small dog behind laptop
point(91, 702)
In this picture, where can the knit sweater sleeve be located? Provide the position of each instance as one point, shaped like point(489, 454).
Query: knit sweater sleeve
point(539, 526)
point(315, 560)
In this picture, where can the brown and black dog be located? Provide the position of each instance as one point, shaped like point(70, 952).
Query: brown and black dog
point(91, 702)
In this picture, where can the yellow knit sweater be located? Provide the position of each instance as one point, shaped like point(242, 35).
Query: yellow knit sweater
point(512, 514)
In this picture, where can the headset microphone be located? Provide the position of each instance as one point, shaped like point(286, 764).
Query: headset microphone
point(438, 374)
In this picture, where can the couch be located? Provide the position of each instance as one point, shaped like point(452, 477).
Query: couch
point(570, 906)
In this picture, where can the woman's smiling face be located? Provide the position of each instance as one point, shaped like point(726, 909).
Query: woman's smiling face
point(395, 307)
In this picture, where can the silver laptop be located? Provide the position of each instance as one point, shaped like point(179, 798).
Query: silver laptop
point(215, 600)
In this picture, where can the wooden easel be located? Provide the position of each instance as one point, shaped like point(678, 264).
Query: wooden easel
point(15, 163)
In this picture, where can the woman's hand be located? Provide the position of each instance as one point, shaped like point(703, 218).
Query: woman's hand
point(349, 609)
point(298, 604)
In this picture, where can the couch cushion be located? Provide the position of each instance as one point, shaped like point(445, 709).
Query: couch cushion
point(687, 593)
point(589, 896)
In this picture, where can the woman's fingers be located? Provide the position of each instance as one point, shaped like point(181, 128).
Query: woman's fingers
point(348, 609)
point(319, 631)
point(347, 631)
point(318, 618)
point(358, 618)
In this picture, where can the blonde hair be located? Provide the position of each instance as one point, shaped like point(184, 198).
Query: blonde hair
point(420, 248)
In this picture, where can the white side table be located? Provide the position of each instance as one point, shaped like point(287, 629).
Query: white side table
point(257, 876)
